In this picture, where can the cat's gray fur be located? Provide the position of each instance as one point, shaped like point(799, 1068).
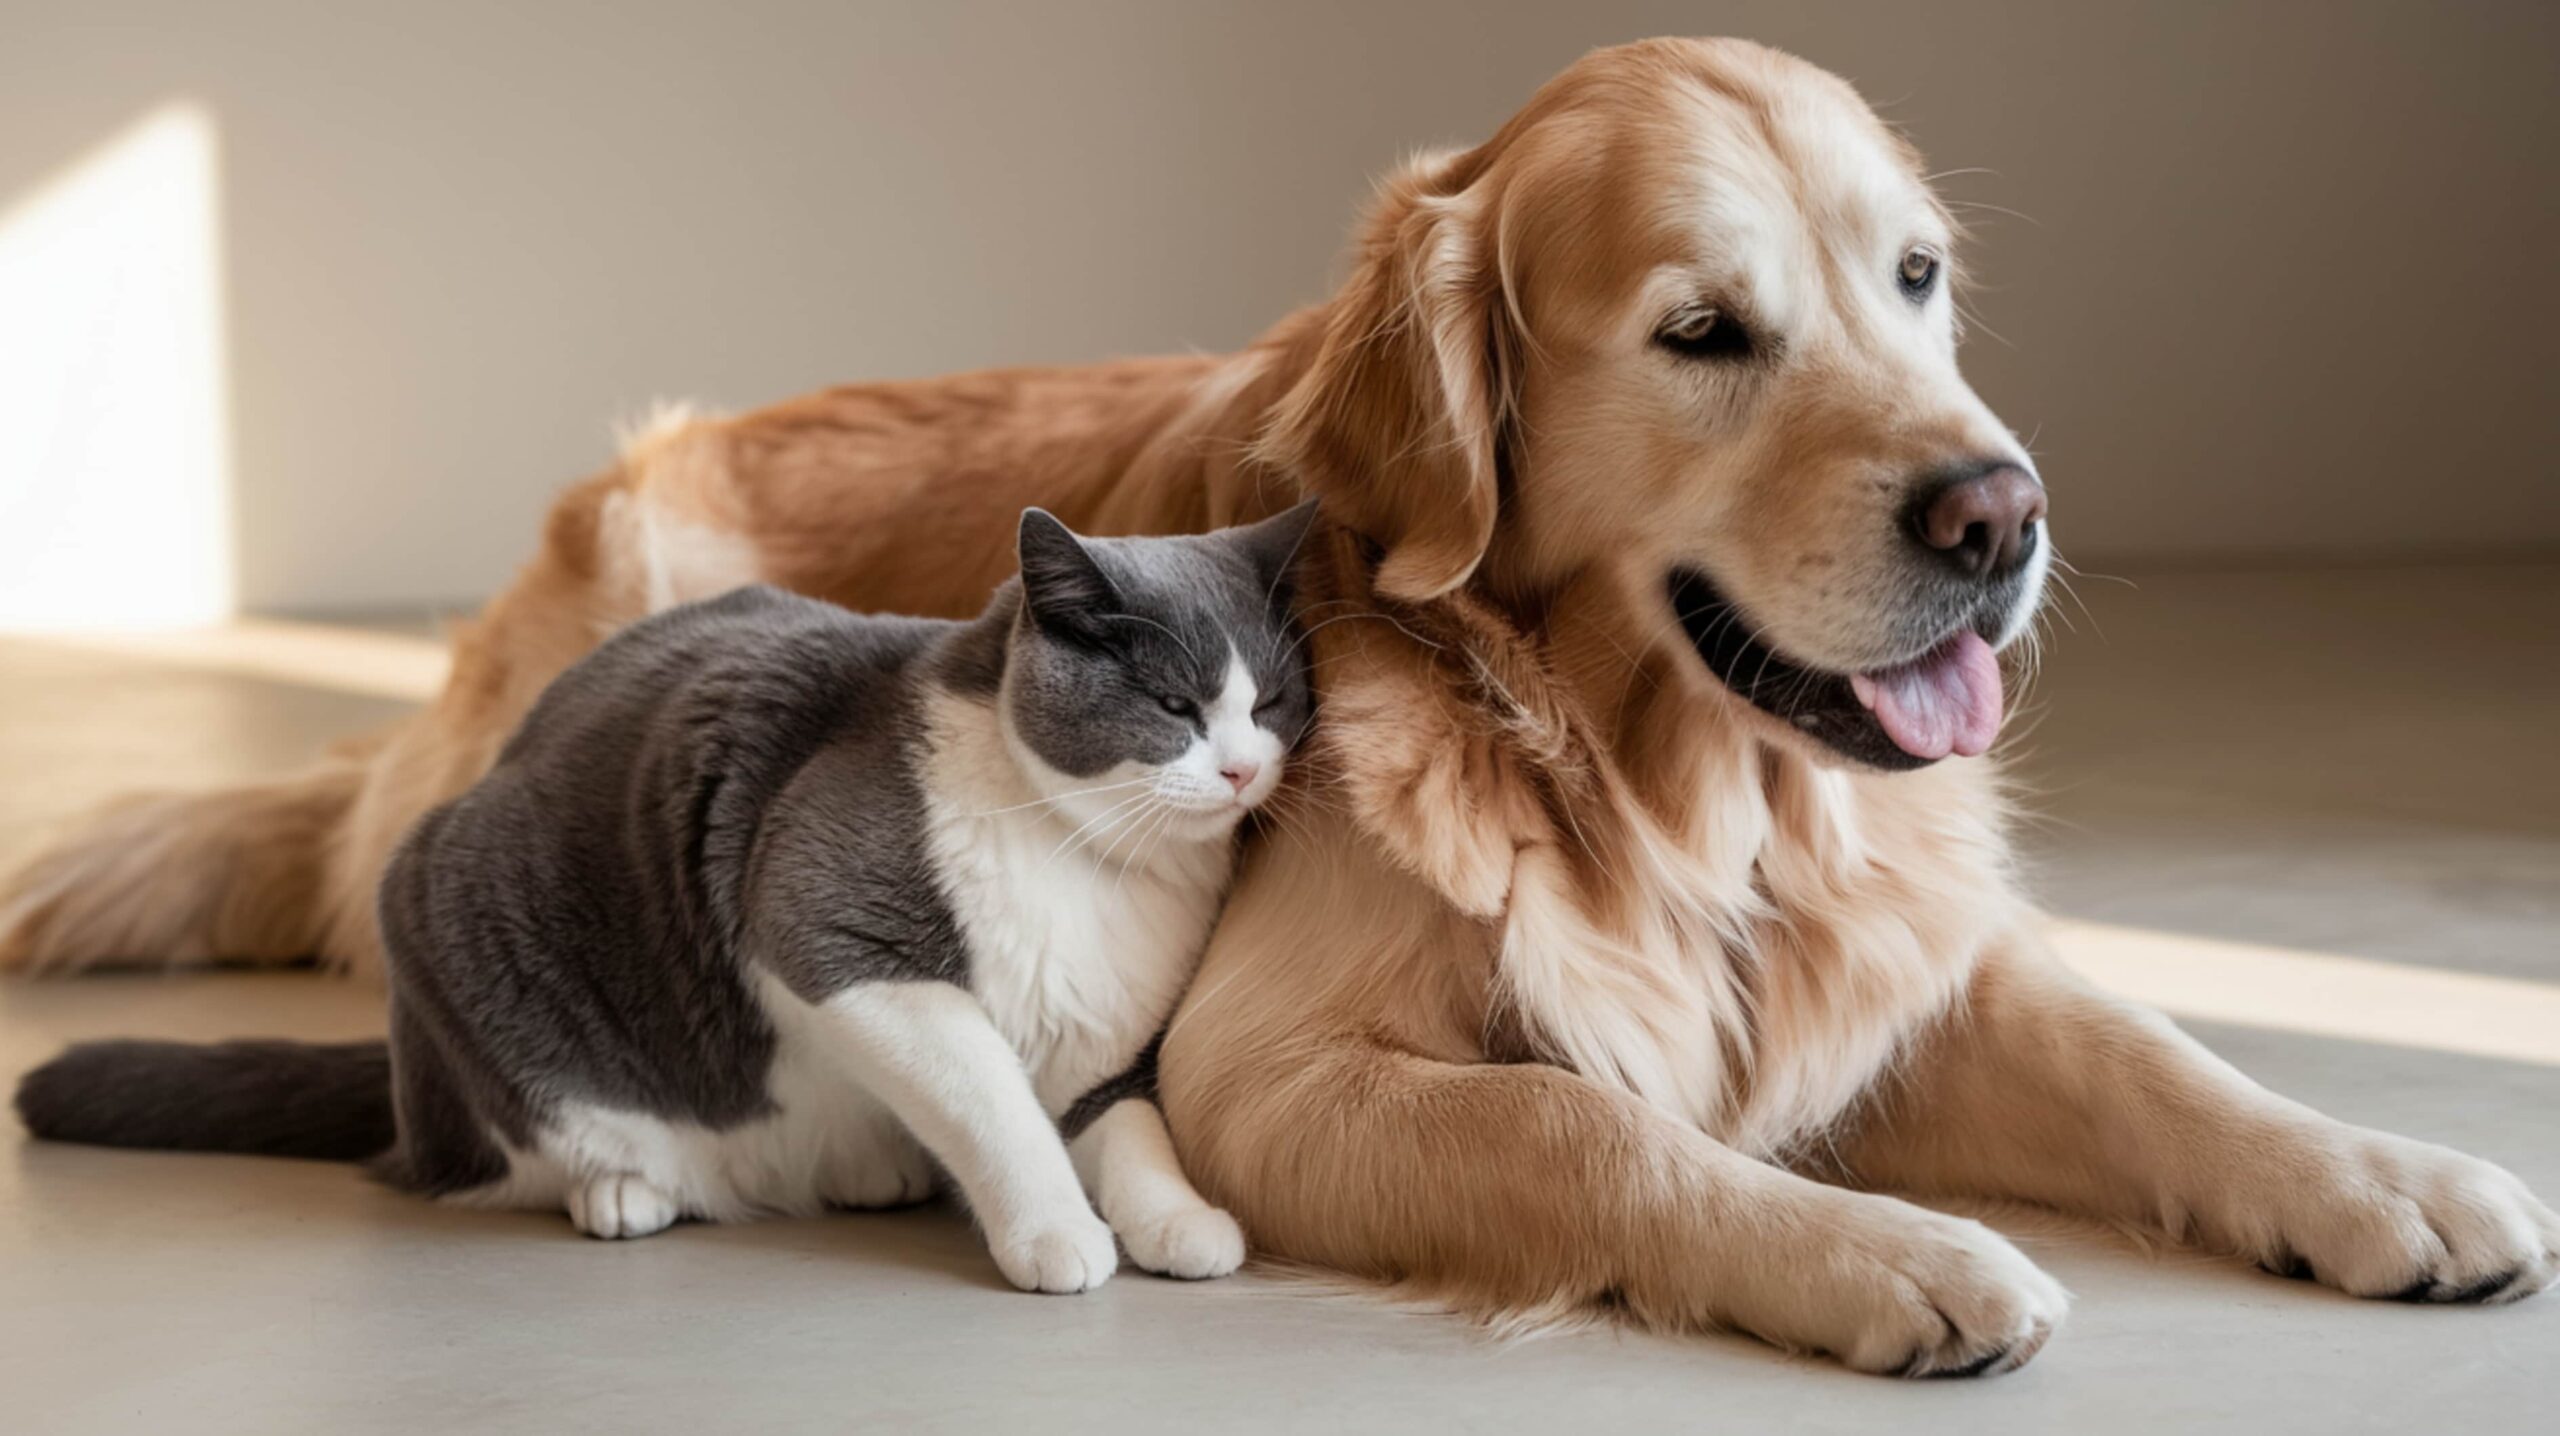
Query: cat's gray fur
point(734, 786)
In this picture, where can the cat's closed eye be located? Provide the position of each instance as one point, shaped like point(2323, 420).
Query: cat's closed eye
point(1178, 706)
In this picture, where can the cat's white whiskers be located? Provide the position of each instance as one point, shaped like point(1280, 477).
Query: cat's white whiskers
point(1284, 817)
point(1060, 798)
point(1138, 854)
point(1138, 827)
point(1119, 823)
point(1070, 843)
point(1126, 819)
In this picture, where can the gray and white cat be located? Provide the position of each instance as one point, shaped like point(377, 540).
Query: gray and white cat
point(771, 907)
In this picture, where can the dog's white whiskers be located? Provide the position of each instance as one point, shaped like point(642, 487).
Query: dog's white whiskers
point(1990, 208)
point(2062, 575)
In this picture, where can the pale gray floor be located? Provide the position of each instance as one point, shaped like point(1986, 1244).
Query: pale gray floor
point(2355, 764)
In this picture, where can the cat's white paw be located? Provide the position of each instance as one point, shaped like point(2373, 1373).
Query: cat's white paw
point(618, 1205)
point(1073, 1253)
point(1193, 1243)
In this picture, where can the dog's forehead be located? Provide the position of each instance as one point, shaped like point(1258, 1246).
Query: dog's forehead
point(1753, 192)
point(1794, 161)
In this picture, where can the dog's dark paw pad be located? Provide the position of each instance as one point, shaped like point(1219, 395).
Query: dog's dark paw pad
point(2486, 1289)
point(1975, 1367)
point(2288, 1264)
point(1990, 1363)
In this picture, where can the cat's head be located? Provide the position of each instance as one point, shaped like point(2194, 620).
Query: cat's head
point(1157, 683)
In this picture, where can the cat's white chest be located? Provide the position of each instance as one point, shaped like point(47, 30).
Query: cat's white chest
point(1078, 952)
point(1081, 936)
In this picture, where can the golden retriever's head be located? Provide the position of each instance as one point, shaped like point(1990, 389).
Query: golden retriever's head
point(1685, 321)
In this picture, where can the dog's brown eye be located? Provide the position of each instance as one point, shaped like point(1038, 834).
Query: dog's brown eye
point(1704, 334)
point(1919, 273)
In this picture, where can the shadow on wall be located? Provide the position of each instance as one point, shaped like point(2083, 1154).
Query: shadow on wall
point(115, 430)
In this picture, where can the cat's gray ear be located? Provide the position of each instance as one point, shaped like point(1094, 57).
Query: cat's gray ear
point(1067, 592)
point(1272, 545)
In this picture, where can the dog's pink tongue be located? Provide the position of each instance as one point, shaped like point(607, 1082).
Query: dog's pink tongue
point(1947, 701)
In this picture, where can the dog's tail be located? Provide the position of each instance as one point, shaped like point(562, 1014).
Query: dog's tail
point(233, 874)
point(330, 1101)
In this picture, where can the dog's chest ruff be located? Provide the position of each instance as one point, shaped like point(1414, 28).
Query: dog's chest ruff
point(1753, 983)
point(1746, 957)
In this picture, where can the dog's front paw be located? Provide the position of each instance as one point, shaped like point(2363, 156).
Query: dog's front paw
point(2389, 1217)
point(1072, 1253)
point(1904, 1291)
point(1193, 1243)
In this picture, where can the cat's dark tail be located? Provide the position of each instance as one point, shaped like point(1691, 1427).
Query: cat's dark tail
point(330, 1101)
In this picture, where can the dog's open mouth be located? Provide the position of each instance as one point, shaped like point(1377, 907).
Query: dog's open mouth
point(1948, 700)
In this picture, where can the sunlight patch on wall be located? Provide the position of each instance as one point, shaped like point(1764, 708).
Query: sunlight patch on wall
point(115, 450)
point(2319, 993)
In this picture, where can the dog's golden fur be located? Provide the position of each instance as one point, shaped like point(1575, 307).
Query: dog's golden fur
point(1564, 970)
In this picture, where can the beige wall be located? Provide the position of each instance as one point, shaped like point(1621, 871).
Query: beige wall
point(2290, 286)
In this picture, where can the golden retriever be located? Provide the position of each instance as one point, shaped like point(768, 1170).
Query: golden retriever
point(1649, 906)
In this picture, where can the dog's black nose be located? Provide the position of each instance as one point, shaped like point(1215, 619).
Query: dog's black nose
point(1980, 518)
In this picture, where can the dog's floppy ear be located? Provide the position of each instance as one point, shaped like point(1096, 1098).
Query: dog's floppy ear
point(1395, 424)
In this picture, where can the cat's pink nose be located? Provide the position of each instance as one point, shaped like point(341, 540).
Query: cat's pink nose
point(1240, 776)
